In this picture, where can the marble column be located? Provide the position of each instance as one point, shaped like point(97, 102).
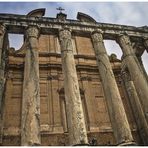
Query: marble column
point(30, 134)
point(75, 116)
point(136, 106)
point(135, 71)
point(120, 125)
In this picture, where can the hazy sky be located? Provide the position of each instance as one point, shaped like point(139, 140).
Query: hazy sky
point(125, 13)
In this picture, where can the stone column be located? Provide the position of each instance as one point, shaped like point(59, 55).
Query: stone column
point(142, 66)
point(116, 110)
point(2, 33)
point(30, 134)
point(76, 124)
point(135, 71)
point(2, 76)
point(136, 106)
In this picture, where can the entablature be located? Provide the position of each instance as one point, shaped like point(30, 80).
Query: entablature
point(18, 23)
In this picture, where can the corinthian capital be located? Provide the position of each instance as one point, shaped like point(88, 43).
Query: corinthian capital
point(124, 38)
point(2, 29)
point(32, 31)
point(65, 33)
point(97, 36)
point(65, 39)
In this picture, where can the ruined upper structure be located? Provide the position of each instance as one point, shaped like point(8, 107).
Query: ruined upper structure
point(61, 87)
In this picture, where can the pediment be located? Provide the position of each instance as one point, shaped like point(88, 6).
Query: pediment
point(85, 18)
point(37, 13)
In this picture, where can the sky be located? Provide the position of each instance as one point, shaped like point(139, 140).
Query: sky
point(124, 13)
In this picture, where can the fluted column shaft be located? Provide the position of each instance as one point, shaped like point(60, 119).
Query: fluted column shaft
point(76, 124)
point(135, 71)
point(116, 110)
point(30, 134)
point(136, 106)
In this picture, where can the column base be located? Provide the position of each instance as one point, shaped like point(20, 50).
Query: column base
point(127, 144)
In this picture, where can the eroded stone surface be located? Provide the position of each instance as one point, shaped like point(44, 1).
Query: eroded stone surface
point(136, 106)
point(136, 72)
point(115, 106)
point(31, 97)
point(76, 123)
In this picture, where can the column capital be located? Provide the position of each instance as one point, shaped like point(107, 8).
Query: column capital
point(65, 33)
point(97, 35)
point(33, 31)
point(123, 36)
point(2, 29)
point(124, 41)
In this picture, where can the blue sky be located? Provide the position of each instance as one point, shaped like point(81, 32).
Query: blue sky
point(125, 13)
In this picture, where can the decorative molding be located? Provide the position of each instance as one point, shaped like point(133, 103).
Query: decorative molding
point(62, 91)
point(85, 78)
point(53, 77)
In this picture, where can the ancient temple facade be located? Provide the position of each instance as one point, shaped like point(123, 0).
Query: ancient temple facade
point(62, 88)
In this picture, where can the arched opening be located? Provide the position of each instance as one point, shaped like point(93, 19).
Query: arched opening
point(15, 41)
point(145, 61)
point(113, 48)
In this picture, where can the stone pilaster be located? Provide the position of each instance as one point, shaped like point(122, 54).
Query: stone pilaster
point(76, 124)
point(89, 102)
point(136, 106)
point(135, 71)
point(116, 110)
point(30, 134)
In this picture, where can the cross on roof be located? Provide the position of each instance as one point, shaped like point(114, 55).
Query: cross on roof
point(60, 9)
